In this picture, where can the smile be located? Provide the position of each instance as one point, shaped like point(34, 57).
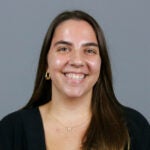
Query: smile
point(75, 76)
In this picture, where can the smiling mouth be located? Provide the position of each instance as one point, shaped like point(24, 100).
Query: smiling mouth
point(75, 76)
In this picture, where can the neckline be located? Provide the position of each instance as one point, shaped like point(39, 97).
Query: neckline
point(41, 127)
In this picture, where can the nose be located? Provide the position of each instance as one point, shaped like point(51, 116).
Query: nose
point(76, 59)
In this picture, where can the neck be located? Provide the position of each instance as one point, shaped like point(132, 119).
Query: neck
point(70, 110)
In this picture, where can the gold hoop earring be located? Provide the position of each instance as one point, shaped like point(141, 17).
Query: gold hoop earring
point(47, 76)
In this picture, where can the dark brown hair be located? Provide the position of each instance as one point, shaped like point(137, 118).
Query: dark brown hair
point(107, 129)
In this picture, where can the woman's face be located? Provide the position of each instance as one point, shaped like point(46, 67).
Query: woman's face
point(74, 59)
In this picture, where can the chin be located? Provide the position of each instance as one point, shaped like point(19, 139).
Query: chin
point(75, 95)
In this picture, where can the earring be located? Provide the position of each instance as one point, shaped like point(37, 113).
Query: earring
point(47, 76)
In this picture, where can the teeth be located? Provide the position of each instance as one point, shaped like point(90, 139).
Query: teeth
point(75, 76)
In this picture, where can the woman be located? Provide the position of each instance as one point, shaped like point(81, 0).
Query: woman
point(73, 105)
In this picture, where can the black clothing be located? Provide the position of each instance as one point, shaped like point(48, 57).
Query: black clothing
point(23, 130)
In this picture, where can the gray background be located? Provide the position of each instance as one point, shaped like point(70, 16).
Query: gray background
point(126, 25)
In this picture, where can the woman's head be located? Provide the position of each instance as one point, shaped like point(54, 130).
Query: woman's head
point(42, 90)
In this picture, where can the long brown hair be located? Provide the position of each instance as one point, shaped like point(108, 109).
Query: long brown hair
point(107, 129)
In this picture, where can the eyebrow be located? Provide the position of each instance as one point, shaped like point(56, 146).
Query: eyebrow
point(70, 44)
point(91, 44)
point(63, 42)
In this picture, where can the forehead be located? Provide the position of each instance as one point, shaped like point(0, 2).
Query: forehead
point(75, 28)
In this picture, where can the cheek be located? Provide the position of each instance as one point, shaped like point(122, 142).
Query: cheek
point(95, 66)
point(55, 62)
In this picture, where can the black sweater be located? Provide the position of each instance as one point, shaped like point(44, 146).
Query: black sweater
point(23, 130)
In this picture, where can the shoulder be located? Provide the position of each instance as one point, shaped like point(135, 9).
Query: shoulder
point(139, 129)
point(134, 117)
point(18, 121)
point(18, 116)
point(15, 128)
point(14, 122)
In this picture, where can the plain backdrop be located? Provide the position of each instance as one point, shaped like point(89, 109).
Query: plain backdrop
point(126, 24)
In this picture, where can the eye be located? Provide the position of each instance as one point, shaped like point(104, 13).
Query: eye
point(63, 49)
point(91, 51)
